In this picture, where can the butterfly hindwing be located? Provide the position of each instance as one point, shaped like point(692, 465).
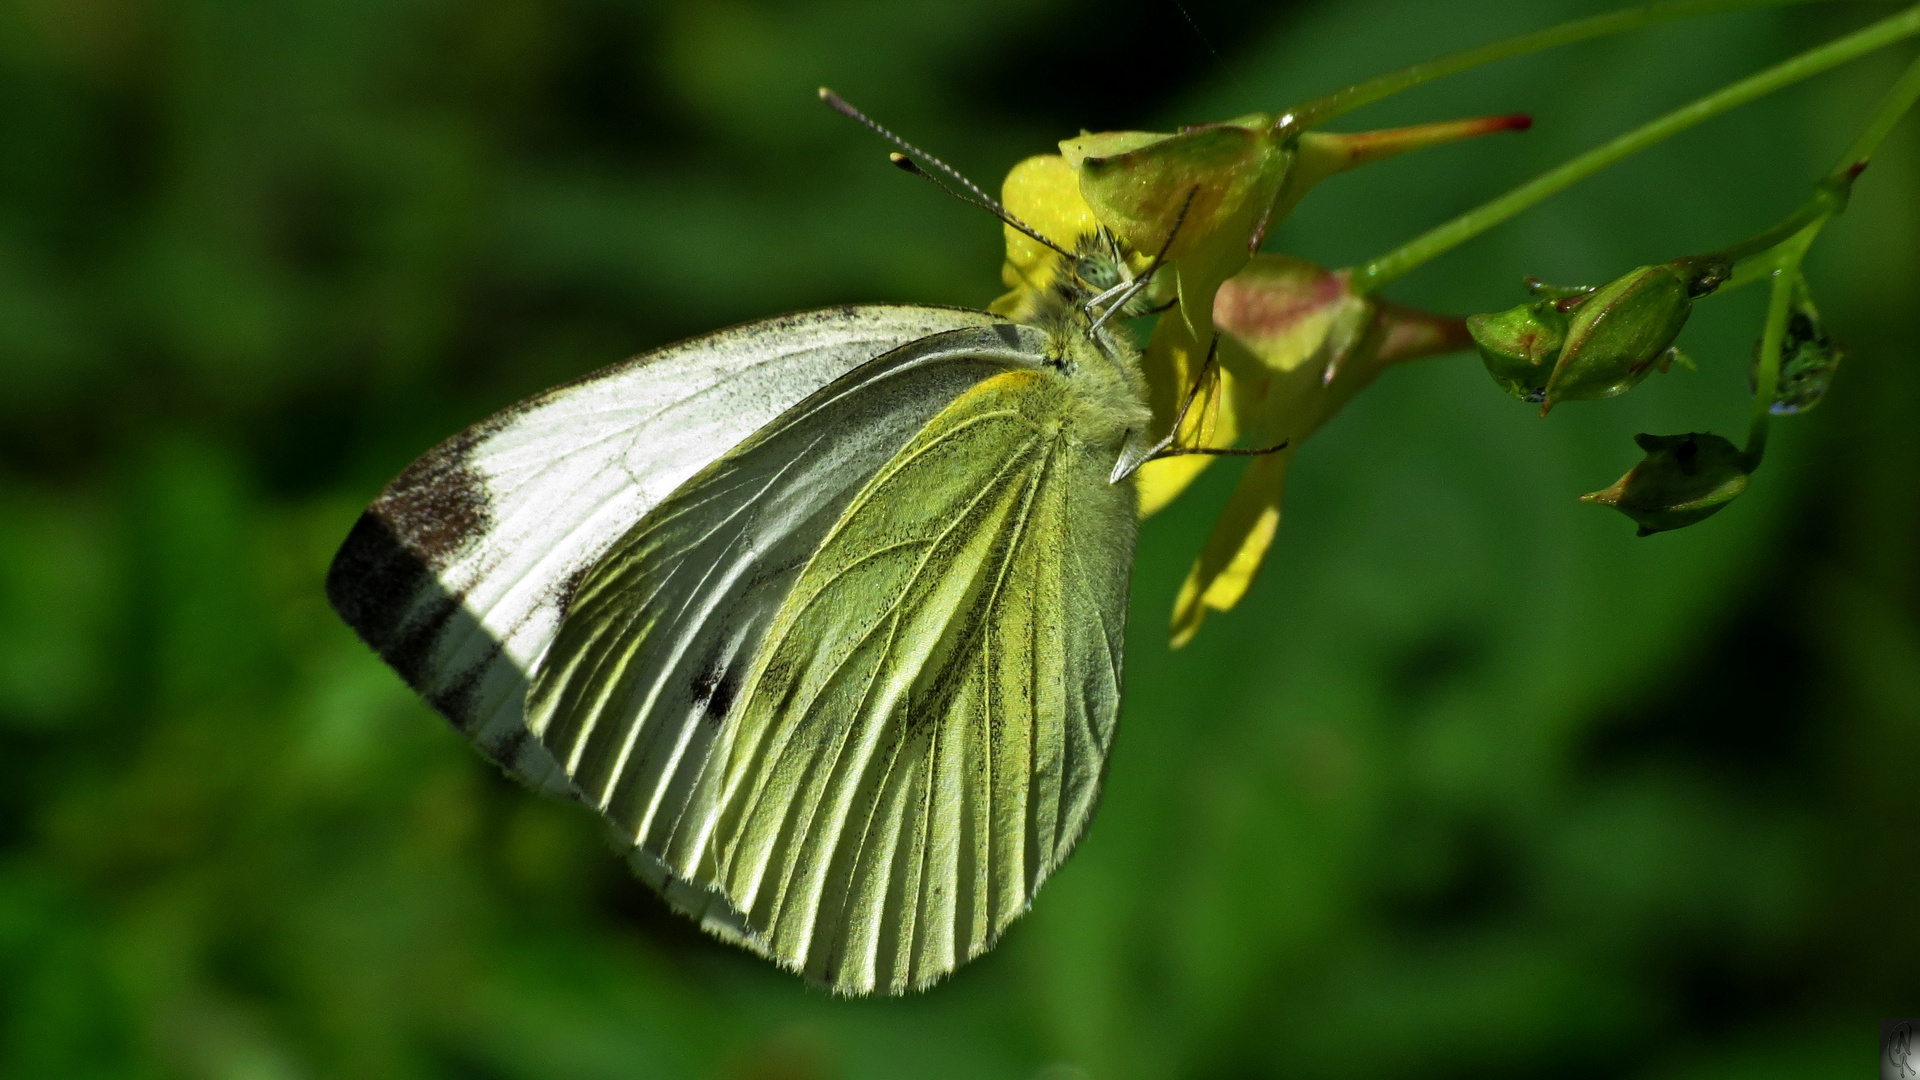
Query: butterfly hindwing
point(928, 722)
point(460, 572)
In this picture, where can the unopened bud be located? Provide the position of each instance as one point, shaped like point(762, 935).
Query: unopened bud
point(1519, 345)
point(1618, 333)
point(1683, 479)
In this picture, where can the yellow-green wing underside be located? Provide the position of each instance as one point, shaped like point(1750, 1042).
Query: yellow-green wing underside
point(924, 739)
point(922, 733)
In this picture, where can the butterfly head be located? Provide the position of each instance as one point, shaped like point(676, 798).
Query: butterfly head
point(1099, 277)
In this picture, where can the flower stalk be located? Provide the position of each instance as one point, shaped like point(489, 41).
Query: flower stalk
point(1397, 263)
point(1318, 111)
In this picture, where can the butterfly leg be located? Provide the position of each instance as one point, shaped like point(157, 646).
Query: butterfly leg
point(1165, 448)
point(1160, 449)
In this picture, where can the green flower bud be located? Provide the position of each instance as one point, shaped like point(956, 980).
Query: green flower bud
point(1619, 332)
point(1683, 479)
point(1519, 346)
point(1808, 359)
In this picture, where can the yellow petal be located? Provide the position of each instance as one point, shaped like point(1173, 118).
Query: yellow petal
point(1044, 192)
point(1163, 480)
point(1291, 324)
point(1173, 362)
point(1298, 345)
point(1233, 554)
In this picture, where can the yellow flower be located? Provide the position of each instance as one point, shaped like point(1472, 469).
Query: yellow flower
point(1044, 192)
point(1295, 343)
point(1299, 344)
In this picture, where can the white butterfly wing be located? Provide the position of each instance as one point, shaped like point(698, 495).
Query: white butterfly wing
point(665, 627)
point(459, 573)
point(664, 630)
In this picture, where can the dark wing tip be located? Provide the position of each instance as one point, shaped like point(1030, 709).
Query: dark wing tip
point(384, 581)
point(374, 584)
point(372, 578)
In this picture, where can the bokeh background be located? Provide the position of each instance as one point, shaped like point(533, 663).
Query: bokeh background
point(1474, 784)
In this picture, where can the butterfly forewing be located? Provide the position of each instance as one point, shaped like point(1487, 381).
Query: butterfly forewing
point(924, 734)
point(458, 575)
point(665, 627)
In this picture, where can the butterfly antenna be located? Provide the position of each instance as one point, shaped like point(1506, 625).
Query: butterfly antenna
point(906, 162)
point(1197, 32)
point(907, 165)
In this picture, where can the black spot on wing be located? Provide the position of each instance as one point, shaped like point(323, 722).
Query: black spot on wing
point(506, 751)
point(715, 689)
point(384, 590)
point(457, 702)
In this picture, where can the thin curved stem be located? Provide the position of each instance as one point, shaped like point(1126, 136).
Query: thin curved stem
point(1899, 98)
point(1321, 109)
point(1397, 263)
point(1755, 258)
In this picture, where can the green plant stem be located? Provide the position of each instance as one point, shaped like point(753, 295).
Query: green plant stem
point(1397, 263)
point(1899, 98)
point(1830, 196)
point(1787, 257)
point(1781, 249)
point(1321, 109)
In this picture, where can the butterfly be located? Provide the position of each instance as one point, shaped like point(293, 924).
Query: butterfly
point(825, 614)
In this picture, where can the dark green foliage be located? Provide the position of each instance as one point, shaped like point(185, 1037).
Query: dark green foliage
point(1472, 784)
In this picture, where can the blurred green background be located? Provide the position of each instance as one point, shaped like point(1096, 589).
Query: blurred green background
point(1475, 784)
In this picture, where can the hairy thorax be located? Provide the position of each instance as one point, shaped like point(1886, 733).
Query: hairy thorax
point(1107, 392)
